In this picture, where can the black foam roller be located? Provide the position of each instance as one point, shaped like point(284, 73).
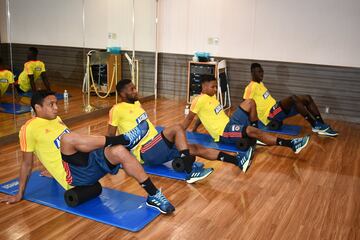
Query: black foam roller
point(178, 164)
point(77, 195)
point(243, 144)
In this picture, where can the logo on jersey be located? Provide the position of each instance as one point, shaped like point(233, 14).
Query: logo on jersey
point(218, 109)
point(38, 69)
point(266, 94)
point(3, 80)
point(57, 140)
point(142, 117)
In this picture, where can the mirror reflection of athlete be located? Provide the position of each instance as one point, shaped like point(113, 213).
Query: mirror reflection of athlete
point(268, 109)
point(239, 126)
point(34, 69)
point(79, 160)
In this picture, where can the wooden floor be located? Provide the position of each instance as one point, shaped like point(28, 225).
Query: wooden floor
point(312, 195)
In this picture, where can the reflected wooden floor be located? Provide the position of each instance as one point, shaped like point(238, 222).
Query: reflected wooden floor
point(312, 195)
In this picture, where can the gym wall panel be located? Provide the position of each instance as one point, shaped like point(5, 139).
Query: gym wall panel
point(335, 87)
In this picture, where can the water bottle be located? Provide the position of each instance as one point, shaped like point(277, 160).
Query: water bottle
point(32, 112)
point(66, 96)
point(187, 110)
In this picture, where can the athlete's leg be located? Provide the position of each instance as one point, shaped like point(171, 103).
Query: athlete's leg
point(293, 101)
point(249, 106)
point(311, 106)
point(177, 135)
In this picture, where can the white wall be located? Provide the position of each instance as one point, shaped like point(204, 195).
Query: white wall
point(61, 23)
point(308, 31)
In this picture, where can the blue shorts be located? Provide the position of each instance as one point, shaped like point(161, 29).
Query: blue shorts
point(234, 129)
point(158, 151)
point(232, 133)
point(278, 114)
point(240, 117)
point(90, 174)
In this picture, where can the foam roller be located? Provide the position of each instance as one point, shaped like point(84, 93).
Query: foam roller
point(77, 195)
point(178, 165)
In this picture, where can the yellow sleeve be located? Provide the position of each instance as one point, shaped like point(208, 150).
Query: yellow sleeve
point(27, 142)
point(113, 116)
point(43, 67)
point(250, 91)
point(195, 105)
point(28, 68)
point(11, 77)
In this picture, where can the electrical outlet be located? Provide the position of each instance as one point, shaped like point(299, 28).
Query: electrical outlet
point(216, 41)
point(327, 109)
point(210, 41)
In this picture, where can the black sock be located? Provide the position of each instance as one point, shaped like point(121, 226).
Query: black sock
point(227, 158)
point(310, 120)
point(319, 119)
point(116, 140)
point(149, 187)
point(283, 142)
point(254, 123)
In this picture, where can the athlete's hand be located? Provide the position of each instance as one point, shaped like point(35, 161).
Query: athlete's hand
point(11, 199)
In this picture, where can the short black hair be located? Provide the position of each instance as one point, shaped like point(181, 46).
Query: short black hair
point(207, 78)
point(254, 65)
point(39, 96)
point(121, 84)
point(34, 51)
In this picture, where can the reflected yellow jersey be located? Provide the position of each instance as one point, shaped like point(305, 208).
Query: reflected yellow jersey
point(261, 95)
point(126, 116)
point(30, 68)
point(6, 78)
point(211, 113)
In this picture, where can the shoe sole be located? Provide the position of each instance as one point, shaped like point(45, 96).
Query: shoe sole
point(163, 212)
point(147, 133)
point(327, 134)
point(192, 180)
point(246, 167)
point(302, 147)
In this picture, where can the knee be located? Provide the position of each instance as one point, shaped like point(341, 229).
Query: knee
point(252, 131)
point(251, 104)
point(67, 139)
point(117, 152)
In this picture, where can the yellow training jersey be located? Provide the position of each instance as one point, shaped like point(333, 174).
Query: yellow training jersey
point(211, 113)
point(126, 116)
point(261, 95)
point(30, 68)
point(6, 78)
point(42, 137)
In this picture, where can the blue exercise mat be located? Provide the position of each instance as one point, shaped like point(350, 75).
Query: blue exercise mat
point(285, 129)
point(207, 141)
point(119, 209)
point(19, 109)
point(166, 170)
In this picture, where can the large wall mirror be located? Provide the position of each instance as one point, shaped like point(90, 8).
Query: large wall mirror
point(79, 41)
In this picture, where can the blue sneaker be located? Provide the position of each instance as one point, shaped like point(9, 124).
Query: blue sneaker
point(299, 143)
point(198, 173)
point(160, 202)
point(324, 129)
point(136, 134)
point(244, 159)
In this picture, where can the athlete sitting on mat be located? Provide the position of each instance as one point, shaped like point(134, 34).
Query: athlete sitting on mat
point(33, 70)
point(6, 78)
point(79, 160)
point(230, 130)
point(268, 109)
point(158, 148)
